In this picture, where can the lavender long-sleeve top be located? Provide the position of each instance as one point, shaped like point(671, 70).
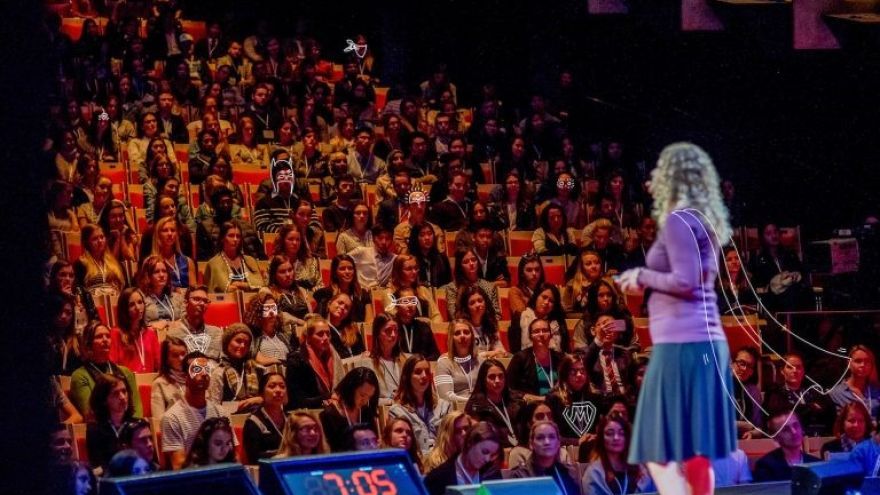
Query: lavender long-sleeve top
point(681, 270)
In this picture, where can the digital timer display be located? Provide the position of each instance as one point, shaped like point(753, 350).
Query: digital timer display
point(367, 480)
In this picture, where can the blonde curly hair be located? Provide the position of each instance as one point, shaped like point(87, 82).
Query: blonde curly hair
point(686, 178)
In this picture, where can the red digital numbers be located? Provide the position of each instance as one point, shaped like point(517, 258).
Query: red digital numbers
point(375, 482)
point(381, 480)
point(340, 483)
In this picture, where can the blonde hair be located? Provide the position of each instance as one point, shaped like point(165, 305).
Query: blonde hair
point(686, 178)
point(289, 447)
point(160, 223)
point(444, 447)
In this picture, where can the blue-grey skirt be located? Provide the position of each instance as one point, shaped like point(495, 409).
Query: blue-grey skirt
point(685, 407)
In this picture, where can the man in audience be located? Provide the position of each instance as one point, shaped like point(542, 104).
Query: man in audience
point(61, 444)
point(192, 329)
point(273, 211)
point(181, 421)
point(419, 161)
point(395, 210)
point(338, 216)
point(360, 436)
point(266, 118)
point(136, 435)
point(171, 125)
point(363, 165)
point(242, 69)
point(776, 465)
point(452, 212)
point(494, 265)
point(374, 262)
point(442, 133)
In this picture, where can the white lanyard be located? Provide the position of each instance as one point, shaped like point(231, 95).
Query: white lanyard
point(391, 372)
point(241, 377)
point(467, 374)
point(174, 267)
point(559, 481)
point(463, 214)
point(464, 474)
point(506, 417)
point(139, 345)
point(348, 418)
point(408, 334)
point(350, 352)
point(274, 427)
point(542, 370)
point(166, 305)
point(625, 483)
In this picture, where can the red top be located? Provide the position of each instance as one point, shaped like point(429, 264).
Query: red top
point(142, 357)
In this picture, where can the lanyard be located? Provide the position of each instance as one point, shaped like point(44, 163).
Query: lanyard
point(542, 370)
point(338, 333)
point(391, 372)
point(166, 305)
point(464, 474)
point(502, 411)
point(467, 375)
point(625, 483)
point(408, 334)
point(139, 345)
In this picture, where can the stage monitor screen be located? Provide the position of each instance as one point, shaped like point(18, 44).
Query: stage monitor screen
point(223, 479)
point(376, 472)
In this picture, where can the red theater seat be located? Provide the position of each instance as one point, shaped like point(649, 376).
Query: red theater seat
point(223, 311)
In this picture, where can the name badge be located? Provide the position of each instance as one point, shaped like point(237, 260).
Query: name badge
point(269, 135)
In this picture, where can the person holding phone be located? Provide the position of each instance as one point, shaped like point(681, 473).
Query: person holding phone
point(608, 363)
point(685, 417)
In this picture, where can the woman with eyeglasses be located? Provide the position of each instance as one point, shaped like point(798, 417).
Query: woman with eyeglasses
point(302, 435)
point(609, 472)
point(111, 409)
point(262, 429)
point(534, 371)
point(493, 401)
point(545, 449)
point(357, 403)
point(314, 370)
point(213, 444)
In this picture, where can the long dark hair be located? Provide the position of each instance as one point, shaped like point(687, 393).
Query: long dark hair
point(480, 384)
point(104, 385)
point(198, 453)
point(405, 395)
point(349, 384)
point(458, 272)
point(488, 324)
point(334, 277)
point(521, 270)
point(164, 350)
point(599, 452)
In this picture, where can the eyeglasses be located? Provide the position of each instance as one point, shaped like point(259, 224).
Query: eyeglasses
point(614, 434)
point(200, 300)
point(742, 363)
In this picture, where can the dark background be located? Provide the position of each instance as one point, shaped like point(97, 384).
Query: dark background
point(796, 130)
